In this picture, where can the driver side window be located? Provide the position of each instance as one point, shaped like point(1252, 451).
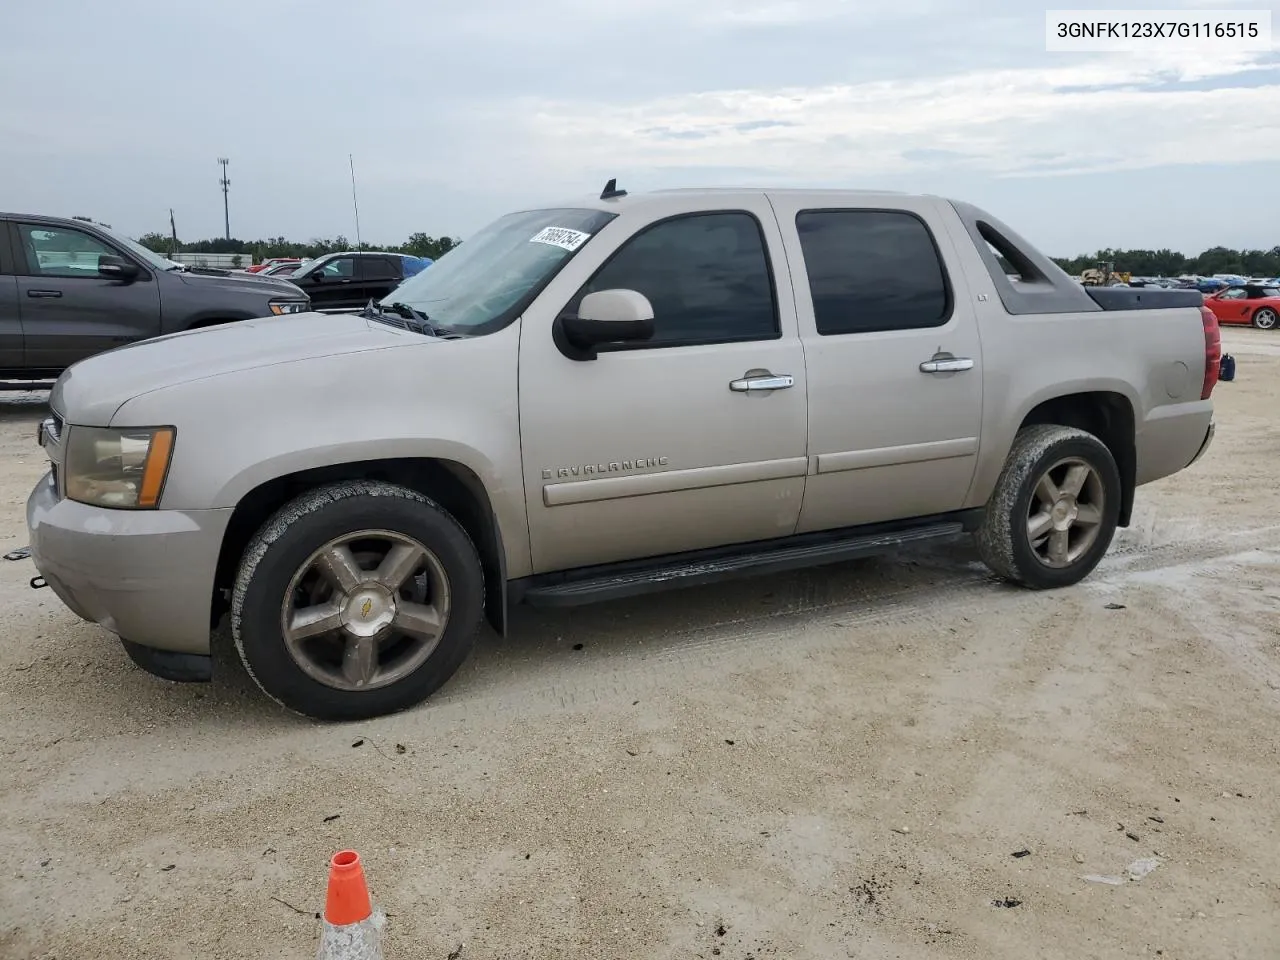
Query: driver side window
point(707, 277)
point(341, 267)
point(59, 252)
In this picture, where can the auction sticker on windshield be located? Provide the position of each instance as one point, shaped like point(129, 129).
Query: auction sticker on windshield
point(561, 237)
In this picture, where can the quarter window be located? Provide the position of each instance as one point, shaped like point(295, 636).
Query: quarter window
point(706, 275)
point(872, 270)
point(59, 252)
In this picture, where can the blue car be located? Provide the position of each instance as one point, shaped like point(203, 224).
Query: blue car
point(414, 265)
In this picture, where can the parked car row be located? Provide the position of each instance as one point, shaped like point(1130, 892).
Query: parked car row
point(1248, 303)
point(349, 280)
point(70, 289)
point(275, 264)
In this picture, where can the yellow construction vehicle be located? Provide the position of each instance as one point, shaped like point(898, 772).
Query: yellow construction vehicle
point(1105, 275)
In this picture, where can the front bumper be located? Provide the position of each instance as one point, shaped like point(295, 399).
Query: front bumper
point(145, 575)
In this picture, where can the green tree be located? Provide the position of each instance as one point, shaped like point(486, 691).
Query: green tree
point(156, 242)
point(423, 245)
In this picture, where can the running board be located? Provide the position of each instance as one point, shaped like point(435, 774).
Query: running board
point(759, 559)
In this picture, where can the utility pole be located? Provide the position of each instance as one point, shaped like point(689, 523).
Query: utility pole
point(226, 209)
point(354, 205)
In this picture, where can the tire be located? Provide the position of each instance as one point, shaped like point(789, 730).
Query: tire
point(1004, 539)
point(1265, 318)
point(286, 562)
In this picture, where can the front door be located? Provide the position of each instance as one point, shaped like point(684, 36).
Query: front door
point(1232, 305)
point(333, 285)
point(657, 448)
point(69, 311)
point(894, 362)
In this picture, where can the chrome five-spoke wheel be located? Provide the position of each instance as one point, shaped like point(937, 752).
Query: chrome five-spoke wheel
point(1054, 509)
point(1066, 512)
point(357, 599)
point(365, 610)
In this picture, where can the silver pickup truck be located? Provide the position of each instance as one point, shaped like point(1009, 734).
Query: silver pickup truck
point(599, 398)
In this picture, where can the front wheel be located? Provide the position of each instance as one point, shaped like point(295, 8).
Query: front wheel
point(1265, 318)
point(1054, 510)
point(356, 600)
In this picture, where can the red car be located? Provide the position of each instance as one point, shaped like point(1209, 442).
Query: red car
point(1246, 303)
point(272, 262)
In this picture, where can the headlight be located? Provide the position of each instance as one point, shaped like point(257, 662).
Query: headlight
point(281, 307)
point(123, 468)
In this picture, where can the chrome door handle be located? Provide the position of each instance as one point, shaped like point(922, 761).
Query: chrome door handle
point(950, 365)
point(770, 382)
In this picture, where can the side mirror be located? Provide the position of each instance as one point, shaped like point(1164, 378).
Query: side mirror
point(117, 268)
point(606, 316)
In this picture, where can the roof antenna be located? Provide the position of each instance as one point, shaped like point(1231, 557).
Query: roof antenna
point(611, 191)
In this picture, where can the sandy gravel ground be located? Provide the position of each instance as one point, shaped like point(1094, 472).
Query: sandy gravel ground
point(835, 763)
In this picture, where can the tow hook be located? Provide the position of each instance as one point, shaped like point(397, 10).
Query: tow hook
point(38, 583)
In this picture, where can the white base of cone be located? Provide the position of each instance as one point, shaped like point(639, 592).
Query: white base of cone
point(352, 941)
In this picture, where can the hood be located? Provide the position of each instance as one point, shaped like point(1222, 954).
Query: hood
point(247, 283)
point(91, 391)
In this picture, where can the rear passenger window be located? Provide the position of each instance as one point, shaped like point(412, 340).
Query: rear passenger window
point(872, 270)
point(379, 268)
point(707, 277)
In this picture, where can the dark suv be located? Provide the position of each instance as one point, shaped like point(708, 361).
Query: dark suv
point(70, 289)
point(347, 281)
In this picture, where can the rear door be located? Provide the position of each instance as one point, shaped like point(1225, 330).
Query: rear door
point(893, 360)
point(69, 311)
point(10, 316)
point(378, 277)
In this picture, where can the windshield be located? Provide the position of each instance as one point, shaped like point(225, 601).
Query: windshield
point(481, 284)
point(153, 258)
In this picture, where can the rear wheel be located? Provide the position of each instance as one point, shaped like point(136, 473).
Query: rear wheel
point(1054, 510)
point(356, 600)
point(1265, 318)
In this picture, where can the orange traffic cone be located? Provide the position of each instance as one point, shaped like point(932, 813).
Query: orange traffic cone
point(351, 930)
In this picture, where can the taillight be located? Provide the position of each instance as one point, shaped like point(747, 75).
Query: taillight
point(1212, 352)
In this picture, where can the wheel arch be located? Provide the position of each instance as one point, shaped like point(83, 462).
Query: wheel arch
point(1109, 416)
point(450, 483)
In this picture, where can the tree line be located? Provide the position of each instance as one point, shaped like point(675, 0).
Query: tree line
point(255, 251)
point(1170, 263)
point(1142, 263)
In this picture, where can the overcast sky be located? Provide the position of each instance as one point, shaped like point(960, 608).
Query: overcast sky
point(456, 112)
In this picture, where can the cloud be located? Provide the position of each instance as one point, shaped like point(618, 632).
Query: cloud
point(456, 113)
point(1102, 113)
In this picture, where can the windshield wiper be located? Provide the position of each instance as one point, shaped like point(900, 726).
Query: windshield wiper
point(372, 311)
point(412, 313)
point(409, 313)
